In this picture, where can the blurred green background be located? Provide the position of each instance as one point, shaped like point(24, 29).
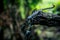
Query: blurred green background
point(26, 7)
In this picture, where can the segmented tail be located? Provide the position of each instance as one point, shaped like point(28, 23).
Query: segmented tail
point(49, 7)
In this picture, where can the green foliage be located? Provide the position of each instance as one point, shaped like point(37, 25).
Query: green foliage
point(23, 4)
point(27, 6)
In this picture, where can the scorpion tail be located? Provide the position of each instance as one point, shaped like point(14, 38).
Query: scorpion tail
point(49, 7)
